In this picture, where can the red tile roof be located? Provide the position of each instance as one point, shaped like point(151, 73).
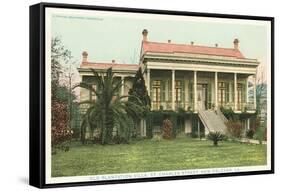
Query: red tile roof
point(108, 65)
point(157, 47)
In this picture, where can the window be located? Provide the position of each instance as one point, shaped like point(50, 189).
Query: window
point(156, 86)
point(222, 93)
point(240, 93)
point(178, 90)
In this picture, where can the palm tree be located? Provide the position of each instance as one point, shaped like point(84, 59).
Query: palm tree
point(109, 110)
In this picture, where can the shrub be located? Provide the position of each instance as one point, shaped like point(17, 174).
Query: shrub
point(260, 133)
point(167, 129)
point(76, 133)
point(60, 131)
point(228, 112)
point(250, 133)
point(255, 124)
point(216, 137)
point(234, 128)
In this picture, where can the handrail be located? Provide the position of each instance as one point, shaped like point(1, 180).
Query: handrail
point(222, 116)
point(204, 117)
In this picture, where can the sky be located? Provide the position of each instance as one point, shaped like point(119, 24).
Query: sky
point(108, 36)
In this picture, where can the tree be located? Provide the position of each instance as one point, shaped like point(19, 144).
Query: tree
point(59, 54)
point(59, 94)
point(261, 89)
point(60, 131)
point(109, 110)
point(139, 90)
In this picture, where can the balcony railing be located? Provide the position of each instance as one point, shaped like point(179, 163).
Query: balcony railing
point(242, 106)
point(167, 105)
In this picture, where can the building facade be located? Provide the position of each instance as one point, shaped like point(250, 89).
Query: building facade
point(195, 78)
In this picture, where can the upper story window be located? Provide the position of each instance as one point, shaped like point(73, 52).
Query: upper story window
point(156, 90)
point(222, 93)
point(241, 93)
point(178, 90)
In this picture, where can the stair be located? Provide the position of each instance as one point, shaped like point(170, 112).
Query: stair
point(213, 120)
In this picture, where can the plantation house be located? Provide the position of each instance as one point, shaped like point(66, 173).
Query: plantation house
point(195, 78)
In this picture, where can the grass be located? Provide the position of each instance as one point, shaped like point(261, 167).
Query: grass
point(149, 155)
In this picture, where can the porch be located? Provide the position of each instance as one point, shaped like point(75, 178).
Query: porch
point(171, 90)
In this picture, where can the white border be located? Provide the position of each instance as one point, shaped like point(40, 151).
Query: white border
point(48, 19)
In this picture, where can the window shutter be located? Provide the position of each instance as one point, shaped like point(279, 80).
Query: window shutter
point(227, 92)
point(243, 89)
point(232, 92)
point(190, 90)
point(162, 91)
point(182, 91)
point(170, 90)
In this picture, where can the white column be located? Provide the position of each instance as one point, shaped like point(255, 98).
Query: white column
point(123, 86)
point(248, 123)
point(255, 93)
point(216, 90)
point(166, 91)
point(235, 91)
point(144, 128)
point(195, 90)
point(198, 127)
point(247, 90)
point(148, 81)
point(141, 128)
point(173, 89)
point(230, 93)
point(185, 92)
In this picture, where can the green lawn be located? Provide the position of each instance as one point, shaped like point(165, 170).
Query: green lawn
point(149, 155)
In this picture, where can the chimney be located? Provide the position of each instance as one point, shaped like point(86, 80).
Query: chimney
point(216, 45)
point(84, 56)
point(144, 35)
point(169, 41)
point(192, 43)
point(113, 61)
point(236, 44)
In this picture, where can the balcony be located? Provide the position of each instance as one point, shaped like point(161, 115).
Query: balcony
point(167, 105)
point(242, 106)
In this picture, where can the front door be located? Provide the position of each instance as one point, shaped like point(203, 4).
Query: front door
point(201, 96)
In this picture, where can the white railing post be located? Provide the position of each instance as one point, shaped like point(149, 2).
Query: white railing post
point(255, 93)
point(173, 89)
point(195, 90)
point(216, 90)
point(235, 91)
